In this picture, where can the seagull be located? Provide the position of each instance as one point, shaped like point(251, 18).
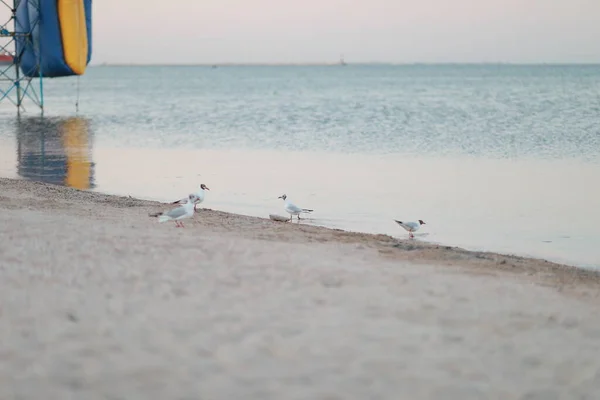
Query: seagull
point(200, 194)
point(410, 226)
point(293, 209)
point(179, 213)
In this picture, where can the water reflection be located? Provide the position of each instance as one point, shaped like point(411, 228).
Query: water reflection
point(56, 150)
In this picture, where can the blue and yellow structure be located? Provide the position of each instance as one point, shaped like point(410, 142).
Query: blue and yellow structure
point(61, 41)
point(52, 38)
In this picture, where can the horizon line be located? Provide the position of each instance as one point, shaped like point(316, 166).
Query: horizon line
point(338, 64)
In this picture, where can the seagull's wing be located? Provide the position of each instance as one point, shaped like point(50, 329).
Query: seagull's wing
point(176, 212)
point(293, 207)
point(407, 225)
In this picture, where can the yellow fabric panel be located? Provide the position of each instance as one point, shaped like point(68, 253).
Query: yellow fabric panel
point(76, 143)
point(73, 31)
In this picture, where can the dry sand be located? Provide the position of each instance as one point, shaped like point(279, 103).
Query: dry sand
point(99, 301)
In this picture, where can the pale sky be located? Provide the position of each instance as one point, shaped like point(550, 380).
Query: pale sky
point(400, 31)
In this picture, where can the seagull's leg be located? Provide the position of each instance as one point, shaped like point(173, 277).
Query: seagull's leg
point(182, 225)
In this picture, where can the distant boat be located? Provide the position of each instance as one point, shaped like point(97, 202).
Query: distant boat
point(342, 62)
point(6, 59)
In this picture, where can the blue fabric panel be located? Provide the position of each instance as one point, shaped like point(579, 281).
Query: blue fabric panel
point(88, 23)
point(45, 43)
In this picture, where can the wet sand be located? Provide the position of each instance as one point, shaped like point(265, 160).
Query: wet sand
point(99, 301)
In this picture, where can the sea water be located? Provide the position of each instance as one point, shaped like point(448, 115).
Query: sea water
point(492, 157)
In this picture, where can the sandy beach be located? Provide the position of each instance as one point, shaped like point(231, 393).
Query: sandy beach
point(100, 301)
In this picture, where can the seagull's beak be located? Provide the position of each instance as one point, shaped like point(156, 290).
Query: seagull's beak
point(206, 187)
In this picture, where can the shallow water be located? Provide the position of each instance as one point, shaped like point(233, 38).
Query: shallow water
point(498, 158)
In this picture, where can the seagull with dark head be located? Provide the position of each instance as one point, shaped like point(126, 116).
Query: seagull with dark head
point(410, 226)
point(293, 209)
point(200, 195)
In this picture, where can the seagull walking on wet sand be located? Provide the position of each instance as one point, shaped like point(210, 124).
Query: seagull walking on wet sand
point(200, 195)
point(180, 213)
point(410, 226)
point(293, 209)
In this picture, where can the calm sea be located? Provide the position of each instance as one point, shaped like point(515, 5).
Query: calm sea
point(491, 157)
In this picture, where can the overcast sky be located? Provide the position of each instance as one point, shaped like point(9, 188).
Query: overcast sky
point(213, 31)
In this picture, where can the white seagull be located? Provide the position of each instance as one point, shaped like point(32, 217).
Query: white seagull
point(200, 194)
point(180, 213)
point(410, 226)
point(293, 209)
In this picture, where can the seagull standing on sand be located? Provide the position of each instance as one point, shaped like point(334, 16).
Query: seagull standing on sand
point(410, 226)
point(180, 213)
point(293, 209)
point(200, 194)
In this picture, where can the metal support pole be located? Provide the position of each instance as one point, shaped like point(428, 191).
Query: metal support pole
point(17, 84)
point(17, 57)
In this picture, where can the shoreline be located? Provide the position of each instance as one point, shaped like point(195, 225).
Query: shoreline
point(537, 270)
